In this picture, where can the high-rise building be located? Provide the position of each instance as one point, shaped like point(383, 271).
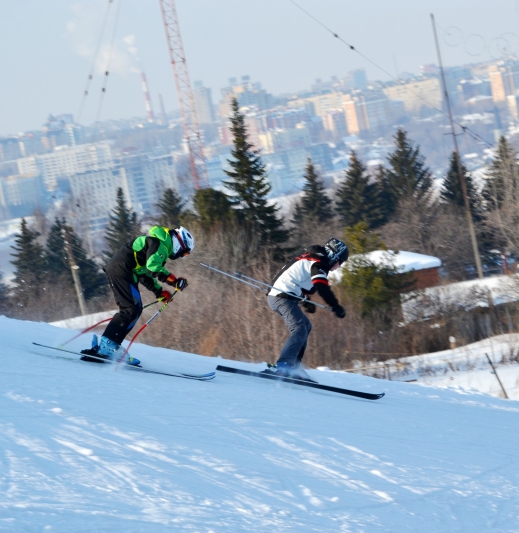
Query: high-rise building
point(9, 149)
point(247, 93)
point(66, 161)
point(281, 140)
point(335, 123)
point(203, 103)
point(416, 94)
point(372, 112)
point(504, 80)
point(142, 177)
point(20, 195)
point(318, 105)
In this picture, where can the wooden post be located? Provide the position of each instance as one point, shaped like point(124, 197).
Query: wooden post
point(499, 381)
point(75, 275)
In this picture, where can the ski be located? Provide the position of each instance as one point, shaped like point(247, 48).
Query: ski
point(271, 375)
point(200, 377)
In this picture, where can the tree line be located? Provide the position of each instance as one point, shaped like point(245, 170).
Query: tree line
point(398, 207)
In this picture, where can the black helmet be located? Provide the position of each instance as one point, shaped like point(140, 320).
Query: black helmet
point(336, 251)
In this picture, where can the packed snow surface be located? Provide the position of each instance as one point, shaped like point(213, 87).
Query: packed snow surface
point(85, 448)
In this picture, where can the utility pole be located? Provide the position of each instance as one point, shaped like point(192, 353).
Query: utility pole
point(463, 182)
point(75, 274)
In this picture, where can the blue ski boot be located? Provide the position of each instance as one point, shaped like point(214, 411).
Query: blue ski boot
point(113, 351)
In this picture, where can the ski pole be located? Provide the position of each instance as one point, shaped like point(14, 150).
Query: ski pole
point(98, 324)
point(231, 276)
point(265, 285)
point(144, 326)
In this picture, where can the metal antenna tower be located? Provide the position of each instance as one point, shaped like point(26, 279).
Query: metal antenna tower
point(185, 93)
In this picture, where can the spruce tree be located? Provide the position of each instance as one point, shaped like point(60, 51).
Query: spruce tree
point(358, 199)
point(170, 208)
point(452, 192)
point(249, 186)
point(30, 273)
point(93, 283)
point(213, 208)
point(123, 226)
point(315, 204)
point(56, 258)
point(385, 198)
point(298, 215)
point(407, 175)
point(372, 287)
point(503, 177)
point(4, 296)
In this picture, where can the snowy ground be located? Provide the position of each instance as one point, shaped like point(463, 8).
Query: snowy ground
point(86, 449)
point(466, 368)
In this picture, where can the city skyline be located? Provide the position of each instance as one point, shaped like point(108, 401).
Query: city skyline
point(46, 66)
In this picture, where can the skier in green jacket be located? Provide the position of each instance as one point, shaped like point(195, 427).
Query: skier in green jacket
point(141, 260)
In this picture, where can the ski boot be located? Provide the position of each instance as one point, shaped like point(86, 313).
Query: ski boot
point(111, 350)
point(295, 372)
point(94, 352)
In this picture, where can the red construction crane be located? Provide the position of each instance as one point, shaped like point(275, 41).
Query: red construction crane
point(185, 93)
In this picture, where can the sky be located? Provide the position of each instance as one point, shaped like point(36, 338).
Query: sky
point(48, 47)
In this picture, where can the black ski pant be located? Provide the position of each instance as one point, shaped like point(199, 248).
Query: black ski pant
point(127, 297)
point(298, 325)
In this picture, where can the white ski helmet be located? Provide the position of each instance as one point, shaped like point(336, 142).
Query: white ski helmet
point(185, 239)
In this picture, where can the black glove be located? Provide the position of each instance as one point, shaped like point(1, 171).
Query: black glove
point(339, 311)
point(180, 284)
point(308, 306)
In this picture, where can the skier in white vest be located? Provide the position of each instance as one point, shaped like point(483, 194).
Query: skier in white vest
point(303, 276)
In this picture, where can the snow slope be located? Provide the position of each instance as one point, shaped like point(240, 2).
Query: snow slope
point(84, 448)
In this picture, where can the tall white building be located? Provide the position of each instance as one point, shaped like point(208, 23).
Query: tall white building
point(142, 178)
point(203, 104)
point(65, 161)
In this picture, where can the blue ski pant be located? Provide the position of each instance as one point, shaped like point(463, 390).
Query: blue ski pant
point(298, 326)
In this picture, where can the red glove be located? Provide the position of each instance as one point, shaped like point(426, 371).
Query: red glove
point(170, 280)
point(165, 295)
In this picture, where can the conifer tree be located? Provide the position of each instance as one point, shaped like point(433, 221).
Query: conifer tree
point(4, 296)
point(123, 226)
point(385, 197)
point(452, 192)
point(502, 184)
point(298, 215)
point(249, 186)
point(372, 287)
point(407, 175)
point(57, 259)
point(358, 199)
point(29, 276)
point(213, 208)
point(315, 204)
point(171, 208)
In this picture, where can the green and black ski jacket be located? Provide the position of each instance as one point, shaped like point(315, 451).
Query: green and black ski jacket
point(145, 257)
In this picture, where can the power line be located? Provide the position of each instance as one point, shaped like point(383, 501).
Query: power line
point(94, 60)
point(465, 129)
point(107, 71)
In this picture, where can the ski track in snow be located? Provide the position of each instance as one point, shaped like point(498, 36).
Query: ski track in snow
point(84, 448)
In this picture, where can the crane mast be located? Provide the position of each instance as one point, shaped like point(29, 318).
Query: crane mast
point(185, 93)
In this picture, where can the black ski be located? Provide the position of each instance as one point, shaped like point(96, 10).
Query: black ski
point(313, 385)
point(199, 377)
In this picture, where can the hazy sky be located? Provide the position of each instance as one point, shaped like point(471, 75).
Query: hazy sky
point(47, 47)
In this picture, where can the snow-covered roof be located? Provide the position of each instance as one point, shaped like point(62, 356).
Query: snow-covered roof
point(467, 295)
point(401, 261)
